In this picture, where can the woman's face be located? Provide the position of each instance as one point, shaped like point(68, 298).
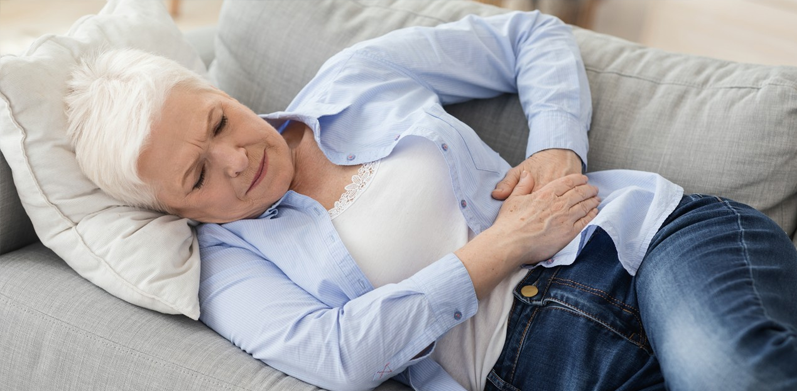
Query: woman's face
point(211, 159)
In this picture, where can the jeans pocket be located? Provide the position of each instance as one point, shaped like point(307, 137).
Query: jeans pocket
point(496, 383)
point(560, 347)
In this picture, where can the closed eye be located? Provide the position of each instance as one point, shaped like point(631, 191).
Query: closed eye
point(222, 124)
point(219, 128)
point(201, 180)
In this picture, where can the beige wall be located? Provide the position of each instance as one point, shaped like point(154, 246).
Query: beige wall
point(756, 31)
point(763, 31)
point(22, 21)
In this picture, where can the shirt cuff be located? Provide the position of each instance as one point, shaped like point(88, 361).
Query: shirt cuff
point(449, 291)
point(558, 130)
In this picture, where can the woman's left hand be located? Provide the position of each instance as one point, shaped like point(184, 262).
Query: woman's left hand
point(543, 166)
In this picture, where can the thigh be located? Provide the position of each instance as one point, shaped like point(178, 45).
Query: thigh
point(717, 292)
point(580, 331)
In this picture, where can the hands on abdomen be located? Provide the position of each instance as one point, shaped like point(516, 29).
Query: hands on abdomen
point(530, 228)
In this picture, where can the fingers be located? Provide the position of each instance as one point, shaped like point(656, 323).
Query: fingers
point(586, 209)
point(583, 207)
point(567, 183)
point(579, 193)
point(582, 222)
point(525, 185)
point(504, 188)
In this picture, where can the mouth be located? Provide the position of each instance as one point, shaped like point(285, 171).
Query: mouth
point(261, 172)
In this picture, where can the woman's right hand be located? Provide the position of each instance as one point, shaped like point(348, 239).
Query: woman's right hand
point(530, 227)
point(535, 226)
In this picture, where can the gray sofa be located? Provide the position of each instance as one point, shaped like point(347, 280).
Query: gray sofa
point(711, 126)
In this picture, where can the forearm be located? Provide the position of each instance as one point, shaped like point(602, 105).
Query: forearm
point(487, 261)
point(339, 343)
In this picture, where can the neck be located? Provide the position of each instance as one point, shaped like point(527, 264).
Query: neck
point(310, 164)
point(314, 175)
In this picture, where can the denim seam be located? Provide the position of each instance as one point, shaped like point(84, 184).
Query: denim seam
point(594, 318)
point(503, 384)
point(586, 288)
point(747, 262)
point(520, 343)
point(531, 319)
point(629, 309)
point(746, 255)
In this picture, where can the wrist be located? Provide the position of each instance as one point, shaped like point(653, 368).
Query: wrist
point(502, 244)
point(486, 260)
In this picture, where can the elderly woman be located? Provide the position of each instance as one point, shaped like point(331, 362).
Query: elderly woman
point(365, 234)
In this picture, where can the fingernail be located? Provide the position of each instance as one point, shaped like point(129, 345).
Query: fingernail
point(523, 174)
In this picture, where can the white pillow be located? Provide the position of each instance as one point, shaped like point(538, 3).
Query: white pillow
point(146, 258)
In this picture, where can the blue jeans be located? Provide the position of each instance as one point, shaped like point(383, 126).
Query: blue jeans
point(712, 307)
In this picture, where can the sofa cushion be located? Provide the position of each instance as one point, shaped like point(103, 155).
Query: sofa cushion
point(59, 332)
point(143, 257)
point(710, 126)
point(16, 229)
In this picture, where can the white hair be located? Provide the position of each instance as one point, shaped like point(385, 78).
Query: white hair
point(113, 100)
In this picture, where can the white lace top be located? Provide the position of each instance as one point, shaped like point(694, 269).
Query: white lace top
point(357, 186)
point(402, 220)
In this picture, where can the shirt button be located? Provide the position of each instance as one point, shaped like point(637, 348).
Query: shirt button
point(548, 262)
point(350, 157)
point(397, 137)
point(457, 315)
point(444, 146)
point(463, 203)
point(529, 291)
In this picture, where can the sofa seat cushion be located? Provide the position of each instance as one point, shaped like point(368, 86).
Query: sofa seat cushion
point(60, 332)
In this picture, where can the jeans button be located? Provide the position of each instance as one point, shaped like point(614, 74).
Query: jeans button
point(529, 291)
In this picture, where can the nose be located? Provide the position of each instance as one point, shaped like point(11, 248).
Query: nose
point(232, 159)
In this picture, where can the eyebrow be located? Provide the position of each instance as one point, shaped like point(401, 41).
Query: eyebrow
point(192, 167)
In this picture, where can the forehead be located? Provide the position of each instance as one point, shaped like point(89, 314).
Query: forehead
point(176, 136)
point(184, 106)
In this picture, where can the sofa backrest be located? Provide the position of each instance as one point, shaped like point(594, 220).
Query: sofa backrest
point(711, 126)
point(16, 229)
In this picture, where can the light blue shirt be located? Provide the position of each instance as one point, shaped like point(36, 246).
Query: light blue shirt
point(284, 288)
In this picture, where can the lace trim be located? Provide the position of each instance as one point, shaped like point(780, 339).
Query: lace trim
point(353, 190)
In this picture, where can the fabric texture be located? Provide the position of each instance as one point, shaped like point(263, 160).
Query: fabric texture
point(711, 126)
point(60, 332)
point(143, 257)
